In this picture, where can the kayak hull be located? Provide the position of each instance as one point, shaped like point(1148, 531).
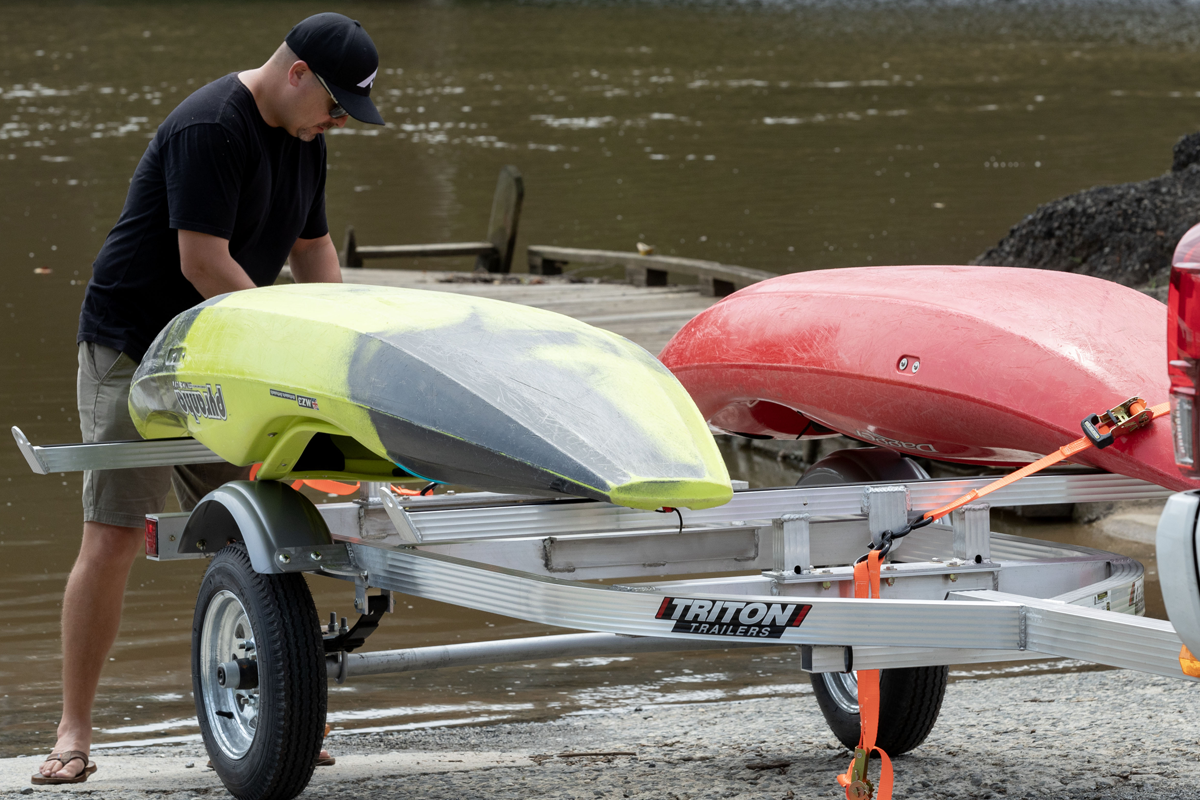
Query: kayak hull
point(981, 365)
point(374, 383)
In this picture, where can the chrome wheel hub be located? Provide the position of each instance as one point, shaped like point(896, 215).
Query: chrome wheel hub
point(843, 688)
point(226, 635)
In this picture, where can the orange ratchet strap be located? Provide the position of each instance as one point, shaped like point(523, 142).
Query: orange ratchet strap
point(1188, 662)
point(330, 487)
point(1101, 430)
point(855, 781)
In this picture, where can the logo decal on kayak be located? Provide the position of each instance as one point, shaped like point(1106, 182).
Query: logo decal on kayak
point(731, 617)
point(200, 401)
point(896, 443)
point(301, 400)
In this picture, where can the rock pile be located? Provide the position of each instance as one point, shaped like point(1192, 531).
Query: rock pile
point(1124, 233)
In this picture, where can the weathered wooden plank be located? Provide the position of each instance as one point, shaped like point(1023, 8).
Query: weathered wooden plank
point(649, 317)
point(661, 315)
point(426, 250)
point(492, 256)
point(716, 279)
point(353, 254)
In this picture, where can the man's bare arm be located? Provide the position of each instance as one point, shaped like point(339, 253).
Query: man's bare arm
point(315, 261)
point(206, 262)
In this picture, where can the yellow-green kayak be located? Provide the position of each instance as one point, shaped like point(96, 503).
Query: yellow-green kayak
point(376, 383)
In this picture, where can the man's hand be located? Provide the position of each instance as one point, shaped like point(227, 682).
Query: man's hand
point(206, 262)
point(315, 261)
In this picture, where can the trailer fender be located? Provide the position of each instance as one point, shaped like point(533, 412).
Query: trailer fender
point(280, 528)
point(1178, 566)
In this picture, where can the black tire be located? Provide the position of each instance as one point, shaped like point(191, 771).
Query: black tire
point(909, 698)
point(909, 702)
point(862, 465)
point(264, 741)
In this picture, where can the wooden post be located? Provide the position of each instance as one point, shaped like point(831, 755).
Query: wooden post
point(544, 266)
point(646, 276)
point(502, 227)
point(349, 254)
point(715, 287)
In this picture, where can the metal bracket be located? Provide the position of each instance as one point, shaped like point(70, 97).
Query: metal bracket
point(824, 658)
point(340, 658)
point(331, 557)
point(360, 593)
point(375, 607)
point(790, 537)
point(972, 526)
point(887, 509)
point(391, 504)
point(370, 494)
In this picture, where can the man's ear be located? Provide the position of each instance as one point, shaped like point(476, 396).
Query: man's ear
point(297, 72)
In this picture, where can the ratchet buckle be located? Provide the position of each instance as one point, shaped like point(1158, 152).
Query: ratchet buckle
point(858, 786)
point(1127, 417)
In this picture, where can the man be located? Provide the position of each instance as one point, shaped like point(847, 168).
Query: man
point(232, 185)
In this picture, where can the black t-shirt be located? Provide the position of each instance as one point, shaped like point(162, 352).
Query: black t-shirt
point(214, 167)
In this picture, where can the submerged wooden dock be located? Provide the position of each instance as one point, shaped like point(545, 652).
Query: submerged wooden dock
point(648, 315)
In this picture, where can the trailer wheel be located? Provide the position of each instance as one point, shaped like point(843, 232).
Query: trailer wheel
point(909, 698)
point(909, 702)
point(258, 676)
point(862, 465)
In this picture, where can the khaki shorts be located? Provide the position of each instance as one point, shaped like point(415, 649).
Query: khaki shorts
point(125, 496)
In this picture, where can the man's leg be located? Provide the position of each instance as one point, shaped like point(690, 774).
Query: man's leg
point(115, 503)
point(90, 619)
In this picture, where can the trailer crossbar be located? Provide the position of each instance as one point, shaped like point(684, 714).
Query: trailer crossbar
point(46, 459)
point(443, 519)
point(473, 654)
point(634, 611)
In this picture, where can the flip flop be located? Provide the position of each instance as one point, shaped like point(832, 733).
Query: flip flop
point(65, 757)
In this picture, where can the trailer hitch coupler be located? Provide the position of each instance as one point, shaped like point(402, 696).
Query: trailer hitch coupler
point(239, 674)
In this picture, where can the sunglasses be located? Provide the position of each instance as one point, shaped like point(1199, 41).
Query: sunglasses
point(337, 112)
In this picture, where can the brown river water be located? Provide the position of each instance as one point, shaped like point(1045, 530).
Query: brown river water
point(782, 136)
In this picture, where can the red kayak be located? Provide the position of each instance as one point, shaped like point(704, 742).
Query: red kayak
point(980, 365)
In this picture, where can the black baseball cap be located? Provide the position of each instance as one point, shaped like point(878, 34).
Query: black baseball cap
point(340, 51)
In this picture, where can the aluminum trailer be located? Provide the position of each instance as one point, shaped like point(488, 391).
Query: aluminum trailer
point(772, 567)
